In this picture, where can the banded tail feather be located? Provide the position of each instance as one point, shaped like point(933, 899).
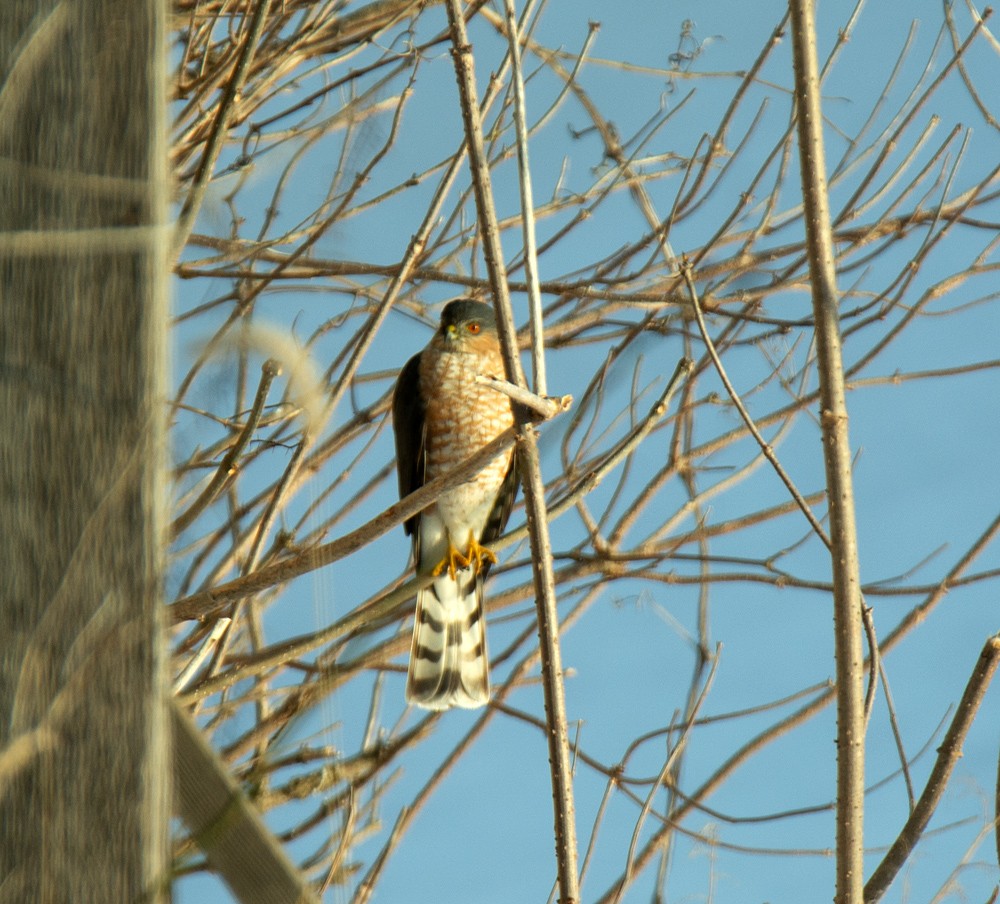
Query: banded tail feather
point(449, 665)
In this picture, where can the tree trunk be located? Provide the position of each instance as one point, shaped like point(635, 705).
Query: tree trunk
point(84, 788)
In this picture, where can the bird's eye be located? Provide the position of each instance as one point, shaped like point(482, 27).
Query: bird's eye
point(474, 327)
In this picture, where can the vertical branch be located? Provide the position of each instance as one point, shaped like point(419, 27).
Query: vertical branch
point(837, 460)
point(527, 203)
point(531, 478)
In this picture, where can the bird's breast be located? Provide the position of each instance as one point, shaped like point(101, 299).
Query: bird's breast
point(461, 417)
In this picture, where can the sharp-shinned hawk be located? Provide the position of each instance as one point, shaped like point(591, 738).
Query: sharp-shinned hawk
point(441, 416)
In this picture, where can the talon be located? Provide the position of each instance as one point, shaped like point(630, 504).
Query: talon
point(453, 560)
point(478, 554)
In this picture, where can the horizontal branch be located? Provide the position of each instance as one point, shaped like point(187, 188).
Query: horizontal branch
point(546, 406)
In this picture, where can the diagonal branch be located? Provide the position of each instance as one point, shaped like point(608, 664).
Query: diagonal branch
point(949, 754)
point(227, 827)
point(210, 602)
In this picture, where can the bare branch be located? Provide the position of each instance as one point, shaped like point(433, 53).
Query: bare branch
point(949, 754)
point(530, 470)
point(837, 458)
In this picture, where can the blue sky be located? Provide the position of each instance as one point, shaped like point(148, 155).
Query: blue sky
point(925, 479)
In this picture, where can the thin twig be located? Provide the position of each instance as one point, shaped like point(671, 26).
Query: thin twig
point(220, 126)
point(765, 446)
point(269, 370)
point(874, 660)
point(662, 779)
point(527, 202)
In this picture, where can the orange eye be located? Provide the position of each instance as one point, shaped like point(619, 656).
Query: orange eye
point(474, 327)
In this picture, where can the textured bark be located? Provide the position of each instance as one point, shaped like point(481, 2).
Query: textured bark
point(84, 788)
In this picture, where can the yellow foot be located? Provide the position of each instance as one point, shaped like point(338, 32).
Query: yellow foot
point(454, 560)
point(478, 554)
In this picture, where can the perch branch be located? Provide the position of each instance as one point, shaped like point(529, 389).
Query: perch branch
point(531, 477)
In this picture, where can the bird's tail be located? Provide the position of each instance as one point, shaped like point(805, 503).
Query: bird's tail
point(449, 665)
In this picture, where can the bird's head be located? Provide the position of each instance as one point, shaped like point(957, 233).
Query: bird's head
point(467, 324)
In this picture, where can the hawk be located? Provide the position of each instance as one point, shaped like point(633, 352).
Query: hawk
point(441, 416)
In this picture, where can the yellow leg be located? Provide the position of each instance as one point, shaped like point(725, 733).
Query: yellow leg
point(454, 560)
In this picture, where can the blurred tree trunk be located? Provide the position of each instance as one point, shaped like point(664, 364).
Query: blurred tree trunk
point(84, 788)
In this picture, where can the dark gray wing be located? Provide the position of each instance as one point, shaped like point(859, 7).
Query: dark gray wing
point(408, 413)
point(502, 508)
